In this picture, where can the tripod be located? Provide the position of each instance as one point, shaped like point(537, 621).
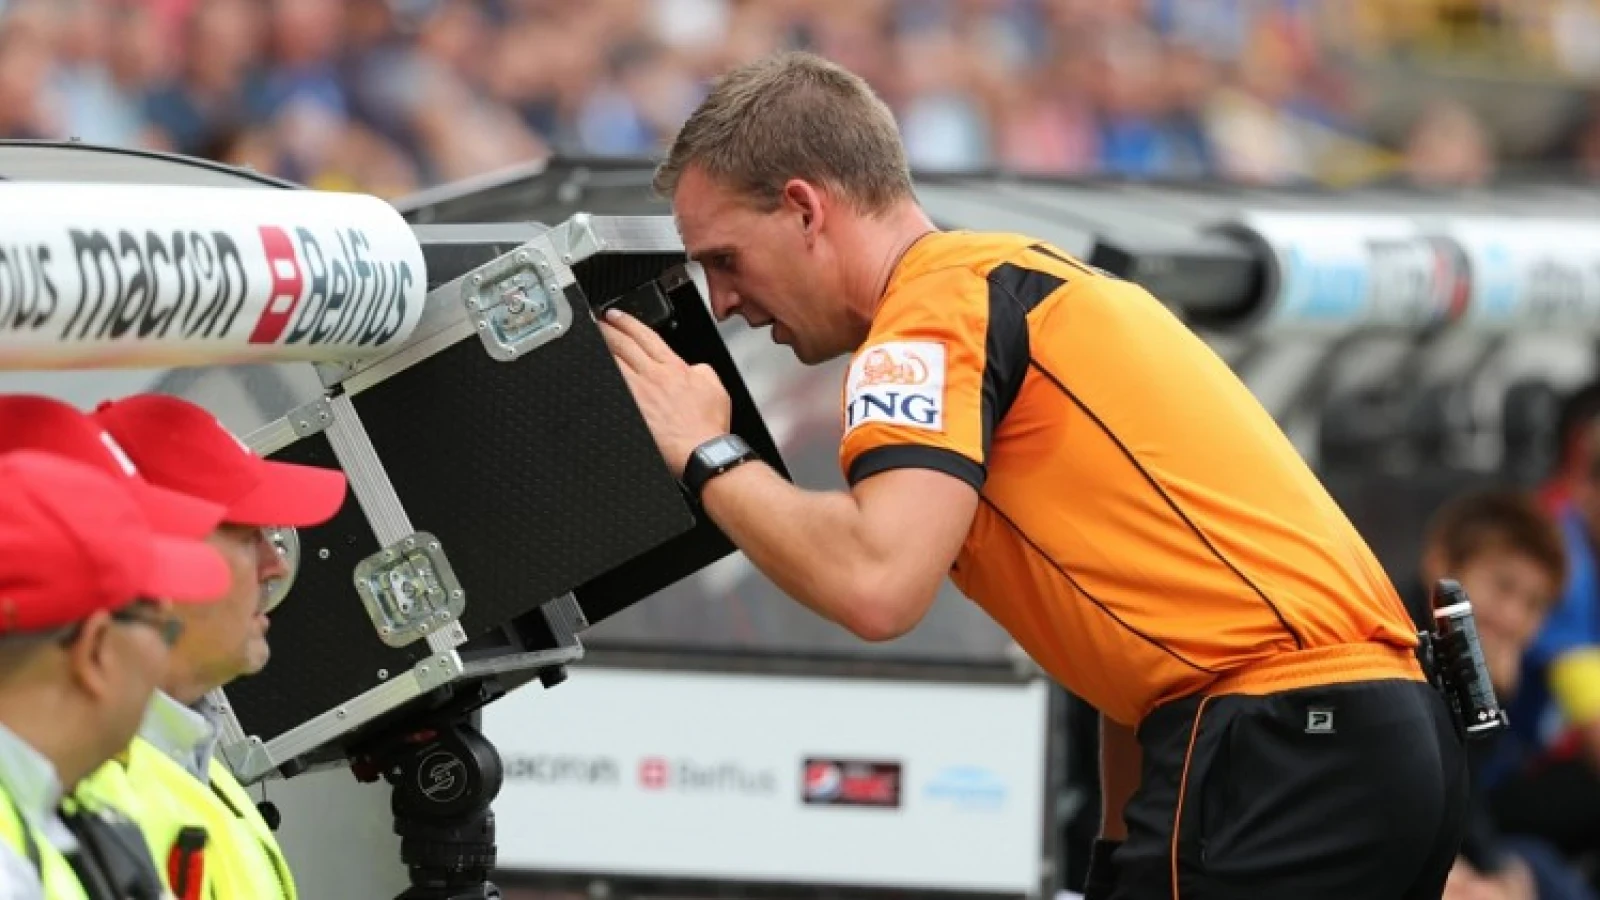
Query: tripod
point(444, 776)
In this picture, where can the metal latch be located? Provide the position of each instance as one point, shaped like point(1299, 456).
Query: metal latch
point(516, 305)
point(409, 589)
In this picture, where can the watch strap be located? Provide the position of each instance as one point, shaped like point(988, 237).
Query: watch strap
point(713, 458)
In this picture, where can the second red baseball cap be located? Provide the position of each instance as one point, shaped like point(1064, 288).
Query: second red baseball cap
point(33, 422)
point(73, 542)
point(179, 445)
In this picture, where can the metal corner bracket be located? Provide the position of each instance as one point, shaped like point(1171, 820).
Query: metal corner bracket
point(311, 418)
point(516, 304)
point(297, 424)
point(247, 758)
point(409, 589)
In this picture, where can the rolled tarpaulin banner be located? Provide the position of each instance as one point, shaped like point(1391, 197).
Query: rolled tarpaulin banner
point(1530, 274)
point(1501, 274)
point(1336, 272)
point(154, 276)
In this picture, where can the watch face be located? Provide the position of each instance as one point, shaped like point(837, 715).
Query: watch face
point(721, 453)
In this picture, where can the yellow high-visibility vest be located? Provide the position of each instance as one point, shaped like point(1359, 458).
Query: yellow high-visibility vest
point(60, 881)
point(242, 859)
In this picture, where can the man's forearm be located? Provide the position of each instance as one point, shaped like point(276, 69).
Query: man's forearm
point(811, 544)
point(1120, 761)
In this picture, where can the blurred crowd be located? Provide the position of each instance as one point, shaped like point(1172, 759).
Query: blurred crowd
point(387, 96)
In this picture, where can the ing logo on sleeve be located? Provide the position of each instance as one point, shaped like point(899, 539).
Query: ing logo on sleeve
point(897, 383)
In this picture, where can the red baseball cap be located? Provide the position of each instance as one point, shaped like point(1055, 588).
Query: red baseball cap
point(32, 422)
point(74, 542)
point(179, 445)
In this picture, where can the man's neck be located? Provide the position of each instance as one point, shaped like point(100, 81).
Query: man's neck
point(186, 687)
point(188, 695)
point(884, 241)
point(52, 736)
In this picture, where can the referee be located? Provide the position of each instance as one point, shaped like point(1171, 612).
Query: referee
point(1084, 468)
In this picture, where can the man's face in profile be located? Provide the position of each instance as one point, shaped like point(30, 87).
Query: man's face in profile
point(227, 639)
point(760, 265)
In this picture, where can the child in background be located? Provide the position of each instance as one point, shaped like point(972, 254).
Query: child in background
point(1509, 557)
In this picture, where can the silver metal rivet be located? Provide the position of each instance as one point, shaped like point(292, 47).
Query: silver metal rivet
point(323, 553)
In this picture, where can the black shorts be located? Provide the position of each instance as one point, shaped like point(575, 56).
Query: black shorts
point(1345, 791)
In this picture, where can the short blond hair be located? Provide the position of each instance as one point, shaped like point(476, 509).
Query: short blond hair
point(793, 115)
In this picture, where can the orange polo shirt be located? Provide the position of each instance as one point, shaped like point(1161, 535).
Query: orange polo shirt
point(1144, 530)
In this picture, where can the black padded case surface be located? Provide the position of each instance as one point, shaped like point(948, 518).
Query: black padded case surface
point(693, 334)
point(537, 476)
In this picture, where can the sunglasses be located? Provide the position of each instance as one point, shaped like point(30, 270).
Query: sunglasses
point(140, 612)
point(170, 627)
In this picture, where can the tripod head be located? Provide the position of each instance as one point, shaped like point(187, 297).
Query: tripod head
point(445, 775)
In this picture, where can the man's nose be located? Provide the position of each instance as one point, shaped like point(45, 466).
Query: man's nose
point(724, 303)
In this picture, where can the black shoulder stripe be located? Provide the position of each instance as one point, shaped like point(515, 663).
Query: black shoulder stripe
point(1027, 287)
point(1013, 293)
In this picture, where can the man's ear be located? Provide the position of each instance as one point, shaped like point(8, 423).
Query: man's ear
point(809, 202)
point(90, 657)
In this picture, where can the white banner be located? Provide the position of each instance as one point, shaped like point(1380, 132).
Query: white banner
point(775, 779)
point(111, 275)
point(1336, 272)
point(1532, 274)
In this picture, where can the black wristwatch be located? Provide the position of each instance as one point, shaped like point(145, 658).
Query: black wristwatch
point(711, 459)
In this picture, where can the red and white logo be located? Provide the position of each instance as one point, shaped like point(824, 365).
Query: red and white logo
point(287, 284)
point(851, 782)
point(654, 773)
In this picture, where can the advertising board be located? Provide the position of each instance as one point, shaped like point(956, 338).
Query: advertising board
point(854, 782)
